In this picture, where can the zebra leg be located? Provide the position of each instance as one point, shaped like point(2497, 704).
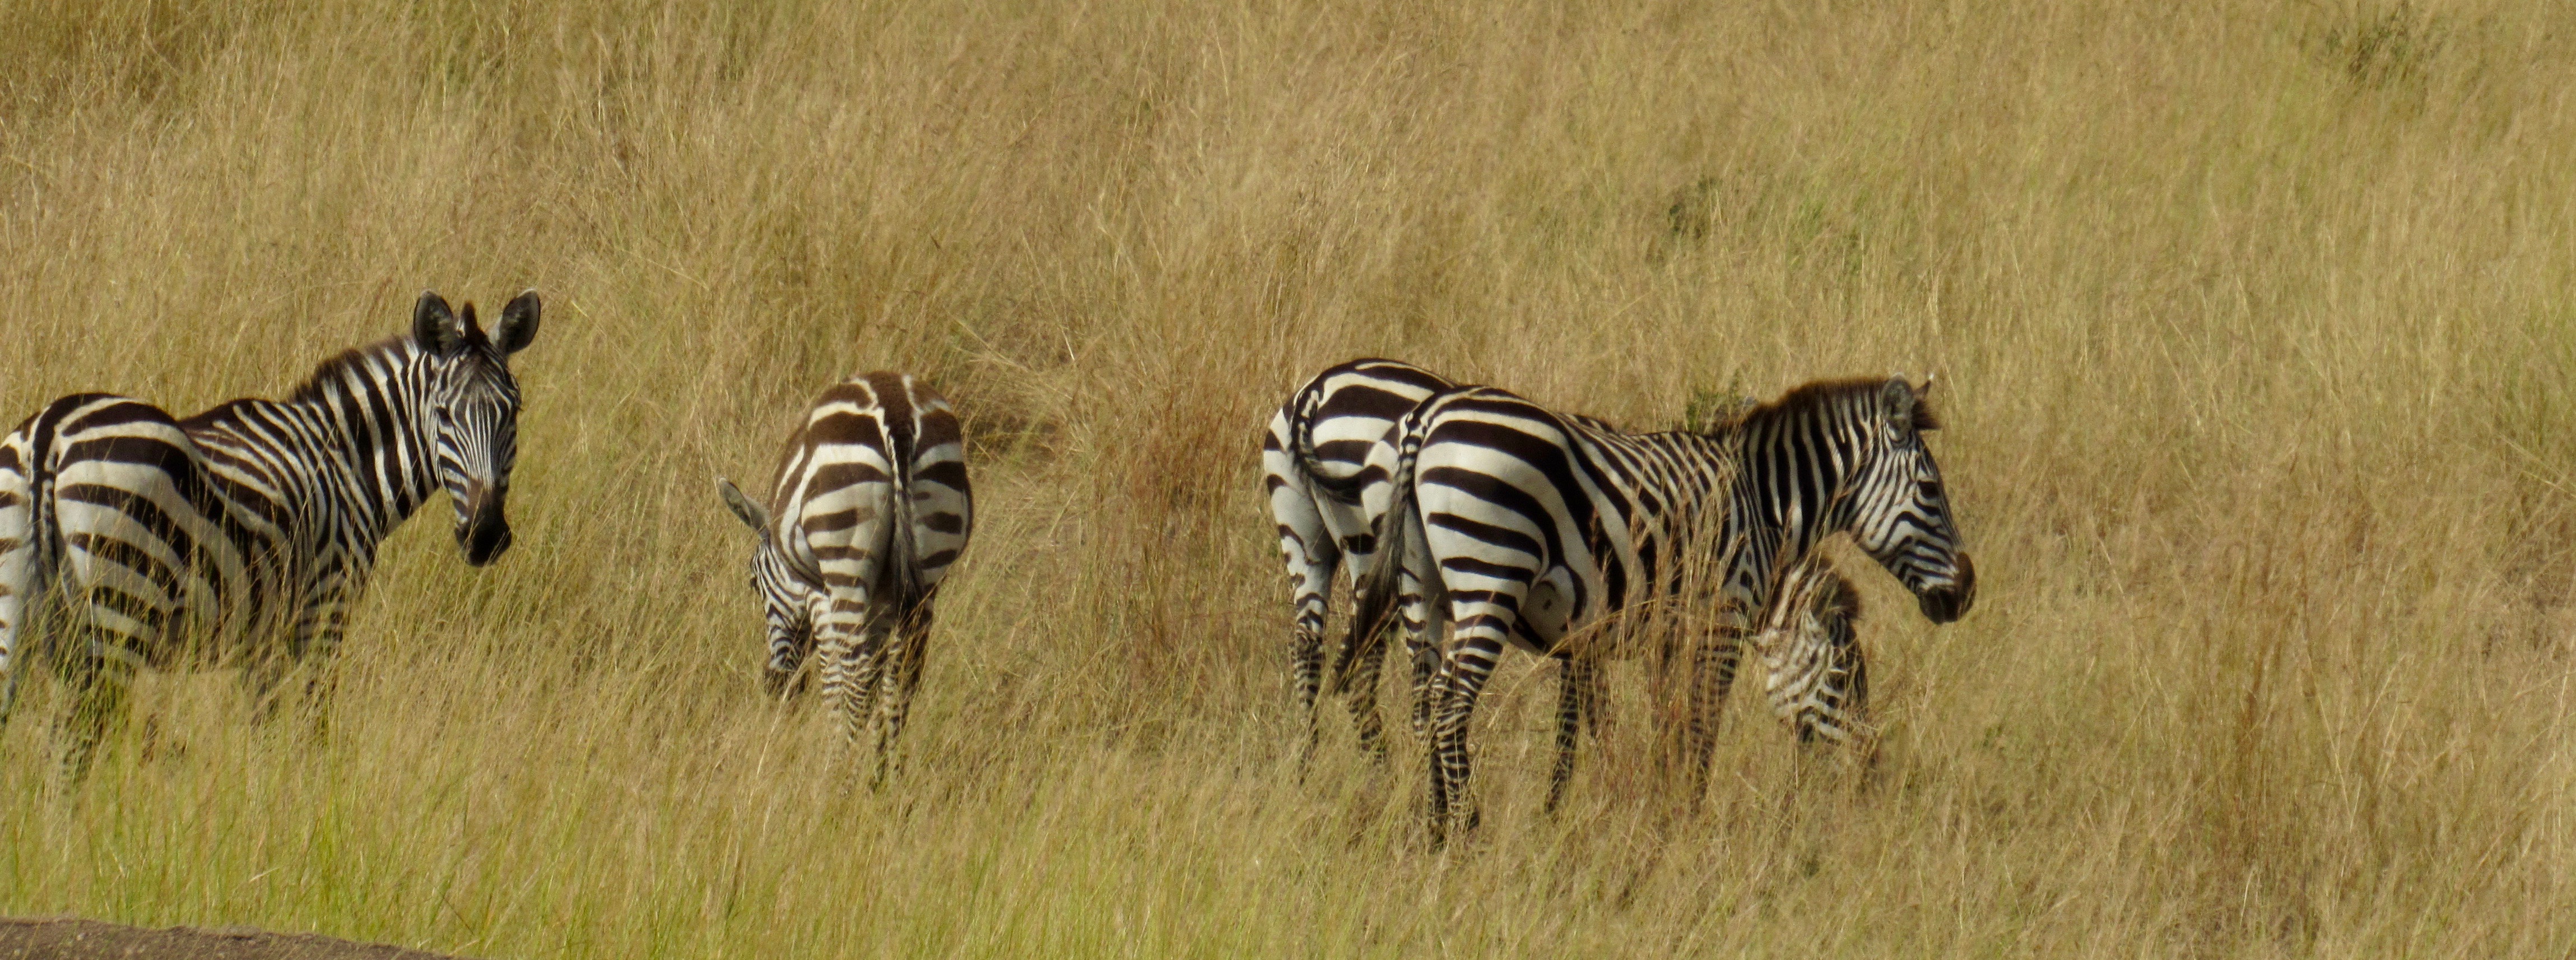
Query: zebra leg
point(1312, 581)
point(101, 677)
point(1362, 700)
point(1463, 671)
point(1418, 659)
point(846, 679)
point(846, 635)
point(1596, 698)
point(831, 658)
point(1712, 672)
point(903, 677)
point(316, 644)
point(867, 689)
point(1574, 692)
point(1848, 706)
point(1421, 652)
point(262, 674)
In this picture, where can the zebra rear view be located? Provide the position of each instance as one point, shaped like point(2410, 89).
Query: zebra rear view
point(130, 538)
point(869, 508)
point(1325, 501)
point(1326, 496)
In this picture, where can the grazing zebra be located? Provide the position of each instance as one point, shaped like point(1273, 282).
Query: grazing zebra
point(171, 543)
point(1813, 671)
point(869, 509)
point(1326, 498)
point(1535, 528)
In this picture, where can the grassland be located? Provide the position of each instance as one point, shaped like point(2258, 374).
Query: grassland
point(2253, 324)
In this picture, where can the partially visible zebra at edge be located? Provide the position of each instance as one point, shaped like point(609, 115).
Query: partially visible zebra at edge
point(1529, 525)
point(241, 536)
point(869, 508)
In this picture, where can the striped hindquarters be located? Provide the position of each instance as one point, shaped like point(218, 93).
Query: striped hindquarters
point(1327, 427)
point(151, 533)
point(870, 506)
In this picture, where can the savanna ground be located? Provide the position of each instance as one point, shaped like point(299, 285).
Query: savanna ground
point(2254, 338)
point(73, 939)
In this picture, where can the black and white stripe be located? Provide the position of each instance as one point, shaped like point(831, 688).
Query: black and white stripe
point(1532, 528)
point(1326, 496)
point(1322, 489)
point(1813, 671)
point(869, 509)
point(153, 541)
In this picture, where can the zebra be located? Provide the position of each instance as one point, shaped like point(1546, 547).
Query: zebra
point(1325, 498)
point(869, 509)
point(1534, 529)
point(172, 543)
point(1814, 674)
point(1314, 465)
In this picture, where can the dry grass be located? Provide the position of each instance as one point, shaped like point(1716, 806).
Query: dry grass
point(2253, 320)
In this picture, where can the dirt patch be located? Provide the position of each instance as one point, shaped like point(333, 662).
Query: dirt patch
point(91, 940)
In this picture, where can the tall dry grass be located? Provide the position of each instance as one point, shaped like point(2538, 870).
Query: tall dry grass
point(2253, 325)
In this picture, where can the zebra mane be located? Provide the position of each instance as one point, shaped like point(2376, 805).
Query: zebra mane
point(1835, 596)
point(392, 349)
point(1817, 393)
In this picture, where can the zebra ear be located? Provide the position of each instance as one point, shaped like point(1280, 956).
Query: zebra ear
point(753, 515)
point(1900, 399)
point(434, 326)
point(518, 324)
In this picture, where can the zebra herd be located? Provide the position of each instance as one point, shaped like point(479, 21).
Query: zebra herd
point(1470, 520)
point(1514, 525)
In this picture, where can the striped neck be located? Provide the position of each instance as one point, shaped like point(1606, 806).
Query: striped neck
point(1787, 493)
point(371, 409)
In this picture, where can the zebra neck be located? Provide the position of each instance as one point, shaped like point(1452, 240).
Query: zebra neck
point(369, 412)
point(1772, 519)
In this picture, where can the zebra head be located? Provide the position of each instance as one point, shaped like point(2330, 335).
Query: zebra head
point(787, 601)
point(1895, 505)
point(474, 404)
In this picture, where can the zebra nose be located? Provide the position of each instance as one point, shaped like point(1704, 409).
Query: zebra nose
point(485, 534)
point(486, 542)
point(1950, 601)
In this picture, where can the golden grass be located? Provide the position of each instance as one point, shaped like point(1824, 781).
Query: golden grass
point(2253, 323)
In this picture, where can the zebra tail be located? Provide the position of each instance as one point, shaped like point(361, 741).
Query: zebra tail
point(1377, 591)
point(900, 573)
point(1301, 445)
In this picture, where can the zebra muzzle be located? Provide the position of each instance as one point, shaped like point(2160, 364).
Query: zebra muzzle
point(1950, 601)
point(487, 536)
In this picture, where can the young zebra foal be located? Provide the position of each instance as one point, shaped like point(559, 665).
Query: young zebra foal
point(130, 538)
point(869, 508)
point(1812, 667)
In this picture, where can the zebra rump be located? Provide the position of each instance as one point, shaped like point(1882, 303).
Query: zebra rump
point(869, 508)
